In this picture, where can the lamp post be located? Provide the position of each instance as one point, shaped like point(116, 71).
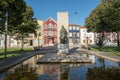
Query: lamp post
point(6, 24)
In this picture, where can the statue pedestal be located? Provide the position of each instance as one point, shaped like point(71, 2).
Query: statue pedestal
point(63, 49)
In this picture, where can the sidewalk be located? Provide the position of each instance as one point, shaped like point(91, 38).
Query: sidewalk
point(9, 62)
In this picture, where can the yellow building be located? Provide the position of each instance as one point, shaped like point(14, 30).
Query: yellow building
point(38, 39)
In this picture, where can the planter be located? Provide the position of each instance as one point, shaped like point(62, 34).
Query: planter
point(63, 48)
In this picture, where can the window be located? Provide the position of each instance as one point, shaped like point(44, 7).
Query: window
point(45, 26)
point(77, 40)
point(70, 28)
point(70, 34)
point(83, 41)
point(84, 35)
point(77, 28)
point(78, 35)
point(90, 41)
point(73, 27)
point(39, 27)
point(84, 30)
point(40, 34)
point(45, 34)
point(31, 42)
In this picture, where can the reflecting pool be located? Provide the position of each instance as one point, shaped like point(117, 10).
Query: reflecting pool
point(101, 69)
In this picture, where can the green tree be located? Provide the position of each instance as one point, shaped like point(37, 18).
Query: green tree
point(28, 25)
point(15, 17)
point(112, 16)
point(105, 18)
point(95, 23)
point(10, 16)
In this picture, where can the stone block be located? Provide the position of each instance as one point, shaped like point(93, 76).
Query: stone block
point(63, 48)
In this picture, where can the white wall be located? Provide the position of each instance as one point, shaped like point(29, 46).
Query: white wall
point(84, 34)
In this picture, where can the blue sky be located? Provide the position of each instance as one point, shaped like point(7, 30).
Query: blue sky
point(43, 9)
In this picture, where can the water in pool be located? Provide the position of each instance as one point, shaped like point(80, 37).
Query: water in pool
point(101, 69)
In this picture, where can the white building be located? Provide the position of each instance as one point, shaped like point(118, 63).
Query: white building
point(84, 35)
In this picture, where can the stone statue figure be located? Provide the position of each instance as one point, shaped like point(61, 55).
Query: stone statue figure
point(63, 36)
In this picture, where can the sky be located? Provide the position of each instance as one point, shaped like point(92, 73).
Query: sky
point(78, 9)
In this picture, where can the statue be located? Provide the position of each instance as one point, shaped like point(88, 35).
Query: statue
point(63, 47)
point(63, 36)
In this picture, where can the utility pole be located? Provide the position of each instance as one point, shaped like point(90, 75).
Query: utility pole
point(6, 24)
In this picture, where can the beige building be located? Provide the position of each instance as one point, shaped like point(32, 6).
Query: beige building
point(86, 36)
point(62, 20)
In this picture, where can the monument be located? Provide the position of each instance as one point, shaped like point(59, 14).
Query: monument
point(63, 46)
point(63, 36)
point(62, 23)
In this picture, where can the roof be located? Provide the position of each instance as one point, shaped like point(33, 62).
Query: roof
point(50, 19)
point(73, 25)
point(83, 27)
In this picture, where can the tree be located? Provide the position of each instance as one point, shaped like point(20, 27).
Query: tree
point(95, 23)
point(10, 13)
point(105, 17)
point(15, 17)
point(112, 17)
point(28, 25)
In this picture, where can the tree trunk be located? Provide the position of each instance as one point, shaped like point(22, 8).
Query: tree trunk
point(17, 42)
point(118, 39)
point(22, 45)
point(101, 39)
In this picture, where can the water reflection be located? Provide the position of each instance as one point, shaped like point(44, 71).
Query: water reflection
point(23, 72)
point(100, 73)
point(99, 70)
point(48, 71)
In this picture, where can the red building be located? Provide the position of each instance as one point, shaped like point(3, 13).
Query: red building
point(50, 32)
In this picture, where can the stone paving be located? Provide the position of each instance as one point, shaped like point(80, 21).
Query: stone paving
point(70, 58)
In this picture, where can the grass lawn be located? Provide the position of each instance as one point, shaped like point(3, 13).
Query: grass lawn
point(13, 52)
point(111, 50)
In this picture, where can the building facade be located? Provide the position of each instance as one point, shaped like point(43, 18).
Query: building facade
point(74, 34)
point(39, 37)
point(50, 32)
point(84, 35)
point(109, 40)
